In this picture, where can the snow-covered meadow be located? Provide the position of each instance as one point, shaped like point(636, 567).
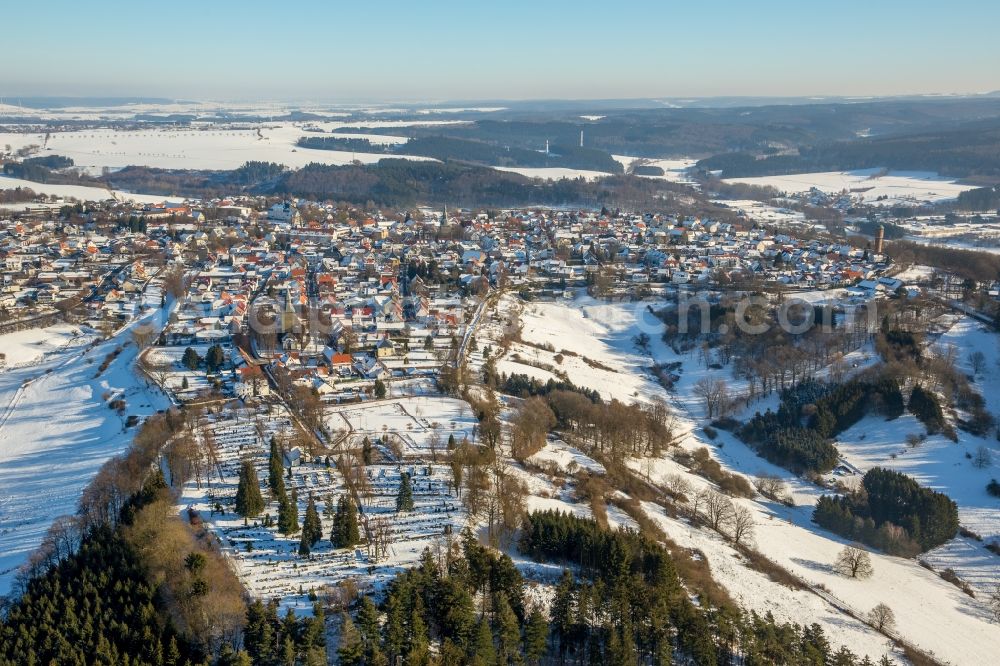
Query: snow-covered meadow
point(899, 187)
point(200, 147)
point(81, 192)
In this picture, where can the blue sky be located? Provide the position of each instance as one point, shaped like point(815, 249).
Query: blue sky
point(513, 49)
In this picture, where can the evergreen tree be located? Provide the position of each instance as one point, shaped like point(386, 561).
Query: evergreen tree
point(249, 502)
point(258, 636)
point(508, 634)
point(418, 644)
point(404, 497)
point(482, 650)
point(190, 360)
point(214, 358)
point(536, 635)
point(351, 650)
point(368, 622)
point(275, 478)
point(345, 531)
point(312, 528)
point(288, 514)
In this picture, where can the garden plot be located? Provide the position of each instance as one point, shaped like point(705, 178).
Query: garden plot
point(165, 364)
point(411, 422)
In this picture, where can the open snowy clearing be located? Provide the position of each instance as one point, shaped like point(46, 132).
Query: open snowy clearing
point(81, 192)
point(674, 170)
point(29, 345)
point(898, 186)
point(754, 590)
point(555, 173)
point(208, 147)
point(757, 210)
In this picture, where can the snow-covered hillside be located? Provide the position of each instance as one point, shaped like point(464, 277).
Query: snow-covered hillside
point(597, 345)
point(56, 428)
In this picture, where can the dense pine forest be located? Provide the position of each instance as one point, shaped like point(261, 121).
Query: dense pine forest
point(892, 512)
point(619, 600)
point(94, 605)
point(798, 435)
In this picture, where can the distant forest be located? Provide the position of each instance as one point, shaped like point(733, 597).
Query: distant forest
point(38, 169)
point(403, 182)
point(398, 182)
point(972, 151)
point(702, 132)
point(979, 199)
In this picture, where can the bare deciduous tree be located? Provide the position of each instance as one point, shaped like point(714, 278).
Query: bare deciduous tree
point(741, 524)
point(995, 602)
point(715, 393)
point(678, 487)
point(771, 487)
point(982, 458)
point(977, 361)
point(854, 563)
point(882, 618)
point(718, 509)
point(143, 334)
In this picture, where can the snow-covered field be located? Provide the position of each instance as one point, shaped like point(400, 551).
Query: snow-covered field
point(898, 186)
point(208, 147)
point(29, 345)
point(81, 192)
point(555, 173)
point(674, 170)
point(56, 429)
point(762, 212)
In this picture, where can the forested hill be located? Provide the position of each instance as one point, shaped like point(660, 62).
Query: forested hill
point(484, 153)
point(397, 182)
point(972, 152)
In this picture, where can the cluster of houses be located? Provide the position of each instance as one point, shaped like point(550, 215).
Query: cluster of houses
point(338, 298)
point(50, 268)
